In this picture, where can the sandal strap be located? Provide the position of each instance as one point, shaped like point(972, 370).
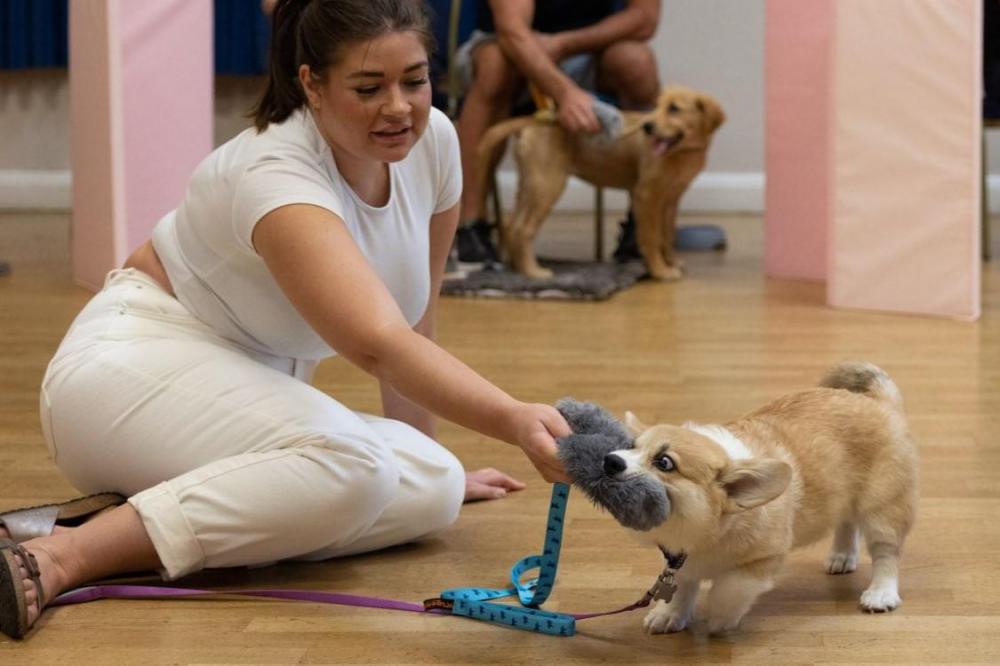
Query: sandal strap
point(30, 565)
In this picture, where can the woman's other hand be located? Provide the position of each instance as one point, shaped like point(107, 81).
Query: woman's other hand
point(488, 483)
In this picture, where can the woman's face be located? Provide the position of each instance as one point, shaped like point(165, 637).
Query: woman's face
point(375, 101)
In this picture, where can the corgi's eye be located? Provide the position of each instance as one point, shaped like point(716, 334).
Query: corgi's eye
point(664, 463)
point(673, 108)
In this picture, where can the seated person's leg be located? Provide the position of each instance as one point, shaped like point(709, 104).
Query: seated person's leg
point(494, 83)
point(627, 71)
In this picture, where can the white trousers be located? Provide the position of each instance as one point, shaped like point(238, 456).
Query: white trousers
point(229, 457)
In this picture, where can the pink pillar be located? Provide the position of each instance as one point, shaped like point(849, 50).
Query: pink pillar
point(141, 112)
point(873, 151)
point(906, 151)
point(797, 146)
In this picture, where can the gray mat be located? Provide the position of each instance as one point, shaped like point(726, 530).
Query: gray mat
point(573, 281)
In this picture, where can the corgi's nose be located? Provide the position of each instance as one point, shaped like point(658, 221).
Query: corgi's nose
point(613, 465)
point(648, 127)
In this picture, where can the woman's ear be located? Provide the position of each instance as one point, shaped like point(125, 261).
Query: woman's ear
point(633, 424)
point(309, 85)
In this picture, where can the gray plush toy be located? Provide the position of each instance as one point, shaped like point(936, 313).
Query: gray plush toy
point(636, 502)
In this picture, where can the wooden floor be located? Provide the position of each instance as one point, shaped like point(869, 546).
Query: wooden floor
point(721, 342)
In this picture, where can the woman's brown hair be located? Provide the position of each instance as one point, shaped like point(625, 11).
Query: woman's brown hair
point(311, 32)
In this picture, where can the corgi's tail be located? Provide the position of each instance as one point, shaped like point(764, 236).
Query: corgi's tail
point(865, 378)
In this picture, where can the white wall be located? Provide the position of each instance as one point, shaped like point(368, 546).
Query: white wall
point(713, 45)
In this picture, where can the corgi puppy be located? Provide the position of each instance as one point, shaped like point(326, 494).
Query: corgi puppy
point(839, 457)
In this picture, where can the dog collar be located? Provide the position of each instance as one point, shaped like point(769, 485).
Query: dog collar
point(674, 560)
point(664, 587)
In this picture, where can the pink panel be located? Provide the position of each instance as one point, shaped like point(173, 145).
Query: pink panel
point(98, 204)
point(167, 95)
point(141, 114)
point(906, 141)
point(797, 144)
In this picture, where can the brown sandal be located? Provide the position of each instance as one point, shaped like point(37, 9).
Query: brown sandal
point(39, 521)
point(13, 603)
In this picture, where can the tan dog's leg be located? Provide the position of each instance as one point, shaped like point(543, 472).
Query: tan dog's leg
point(536, 197)
point(543, 169)
point(649, 207)
point(669, 233)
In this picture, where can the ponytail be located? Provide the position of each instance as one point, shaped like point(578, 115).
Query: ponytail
point(283, 94)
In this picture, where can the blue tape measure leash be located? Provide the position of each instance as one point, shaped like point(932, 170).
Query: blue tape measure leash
point(476, 602)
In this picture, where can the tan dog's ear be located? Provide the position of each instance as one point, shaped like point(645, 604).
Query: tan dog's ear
point(633, 424)
point(753, 482)
point(712, 112)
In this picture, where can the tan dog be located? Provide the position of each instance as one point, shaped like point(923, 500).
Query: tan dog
point(655, 158)
point(743, 495)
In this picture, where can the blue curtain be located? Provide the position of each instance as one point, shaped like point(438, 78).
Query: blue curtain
point(241, 37)
point(33, 33)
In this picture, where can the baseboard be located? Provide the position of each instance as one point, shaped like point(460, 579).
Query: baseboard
point(736, 192)
point(22, 189)
point(710, 192)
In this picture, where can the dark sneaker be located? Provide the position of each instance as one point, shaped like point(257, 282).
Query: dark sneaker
point(688, 238)
point(628, 248)
point(451, 269)
point(474, 245)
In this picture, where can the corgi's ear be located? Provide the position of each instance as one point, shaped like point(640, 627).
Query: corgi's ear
point(753, 482)
point(634, 426)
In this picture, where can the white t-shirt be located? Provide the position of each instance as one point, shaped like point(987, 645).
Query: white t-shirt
point(205, 244)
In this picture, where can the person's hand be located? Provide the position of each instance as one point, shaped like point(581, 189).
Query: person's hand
point(488, 483)
point(552, 44)
point(535, 428)
point(576, 111)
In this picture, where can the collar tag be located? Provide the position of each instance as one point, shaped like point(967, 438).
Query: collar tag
point(664, 587)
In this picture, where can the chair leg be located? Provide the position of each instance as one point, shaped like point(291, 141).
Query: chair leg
point(984, 215)
point(498, 217)
point(599, 224)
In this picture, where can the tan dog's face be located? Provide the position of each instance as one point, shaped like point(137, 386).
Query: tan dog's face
point(684, 119)
point(704, 484)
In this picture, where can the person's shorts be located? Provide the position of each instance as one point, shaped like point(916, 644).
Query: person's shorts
point(581, 68)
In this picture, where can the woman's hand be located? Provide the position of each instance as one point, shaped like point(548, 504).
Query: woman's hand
point(488, 483)
point(535, 428)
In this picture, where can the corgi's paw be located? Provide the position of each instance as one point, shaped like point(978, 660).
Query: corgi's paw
point(880, 599)
point(664, 618)
point(841, 563)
